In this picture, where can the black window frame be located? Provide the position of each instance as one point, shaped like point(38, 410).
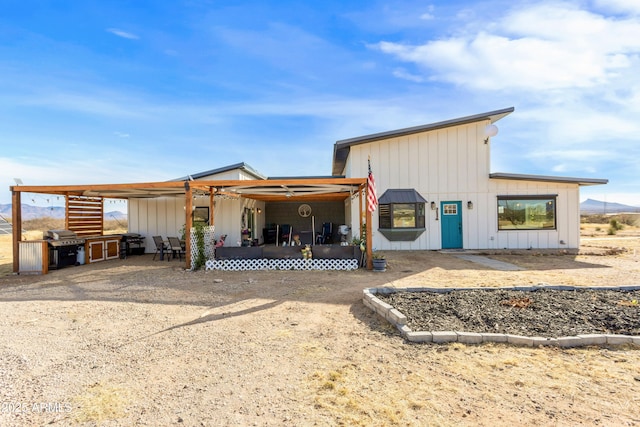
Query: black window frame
point(386, 215)
point(521, 216)
point(413, 205)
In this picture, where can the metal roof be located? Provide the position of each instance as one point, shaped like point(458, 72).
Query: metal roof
point(545, 178)
point(401, 196)
point(242, 166)
point(341, 148)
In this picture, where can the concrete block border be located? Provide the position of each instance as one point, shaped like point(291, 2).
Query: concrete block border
point(399, 320)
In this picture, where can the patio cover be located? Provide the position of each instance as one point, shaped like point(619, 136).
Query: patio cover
point(282, 189)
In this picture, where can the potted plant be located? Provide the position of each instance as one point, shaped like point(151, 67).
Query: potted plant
point(379, 262)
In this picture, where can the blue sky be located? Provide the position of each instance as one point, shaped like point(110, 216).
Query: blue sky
point(107, 91)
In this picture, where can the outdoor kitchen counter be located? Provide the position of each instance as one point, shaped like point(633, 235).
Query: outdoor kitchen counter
point(101, 248)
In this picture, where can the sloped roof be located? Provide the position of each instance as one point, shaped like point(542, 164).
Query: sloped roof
point(341, 148)
point(242, 166)
point(545, 178)
point(408, 195)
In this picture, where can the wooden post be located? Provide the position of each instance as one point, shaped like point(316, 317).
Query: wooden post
point(212, 217)
point(361, 218)
point(188, 222)
point(16, 224)
point(66, 211)
point(45, 258)
point(369, 236)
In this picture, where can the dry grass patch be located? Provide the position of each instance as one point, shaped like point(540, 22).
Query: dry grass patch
point(102, 402)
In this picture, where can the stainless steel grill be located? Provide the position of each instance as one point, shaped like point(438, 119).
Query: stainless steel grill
point(63, 238)
point(63, 248)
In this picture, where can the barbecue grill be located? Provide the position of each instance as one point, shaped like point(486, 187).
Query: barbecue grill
point(132, 244)
point(63, 248)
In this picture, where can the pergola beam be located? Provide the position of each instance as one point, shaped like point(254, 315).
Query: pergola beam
point(268, 190)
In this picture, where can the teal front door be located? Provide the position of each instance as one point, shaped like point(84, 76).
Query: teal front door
point(451, 223)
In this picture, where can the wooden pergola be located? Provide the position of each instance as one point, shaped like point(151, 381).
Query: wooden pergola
point(268, 190)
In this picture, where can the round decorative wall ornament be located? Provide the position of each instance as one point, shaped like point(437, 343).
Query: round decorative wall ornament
point(304, 210)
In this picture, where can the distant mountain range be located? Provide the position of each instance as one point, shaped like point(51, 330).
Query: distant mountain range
point(32, 212)
point(591, 206)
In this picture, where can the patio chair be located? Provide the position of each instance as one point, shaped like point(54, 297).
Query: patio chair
point(161, 247)
point(326, 235)
point(175, 246)
point(285, 233)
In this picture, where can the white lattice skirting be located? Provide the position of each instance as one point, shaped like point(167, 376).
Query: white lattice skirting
point(281, 264)
point(209, 245)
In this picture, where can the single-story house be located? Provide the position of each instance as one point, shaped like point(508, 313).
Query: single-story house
point(435, 190)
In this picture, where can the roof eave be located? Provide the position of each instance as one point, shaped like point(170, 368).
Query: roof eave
point(546, 178)
point(241, 166)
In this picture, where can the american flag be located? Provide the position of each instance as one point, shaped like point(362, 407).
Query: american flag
point(372, 198)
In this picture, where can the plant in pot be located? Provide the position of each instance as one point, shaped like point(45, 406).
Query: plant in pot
point(379, 262)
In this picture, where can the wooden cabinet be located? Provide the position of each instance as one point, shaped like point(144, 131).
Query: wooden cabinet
point(112, 249)
point(103, 248)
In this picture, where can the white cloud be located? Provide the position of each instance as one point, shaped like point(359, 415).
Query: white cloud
point(404, 74)
point(90, 102)
point(543, 47)
point(621, 6)
point(124, 34)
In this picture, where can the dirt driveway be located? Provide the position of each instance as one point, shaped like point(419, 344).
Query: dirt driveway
point(141, 342)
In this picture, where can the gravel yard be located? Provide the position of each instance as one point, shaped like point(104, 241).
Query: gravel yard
point(142, 342)
point(540, 313)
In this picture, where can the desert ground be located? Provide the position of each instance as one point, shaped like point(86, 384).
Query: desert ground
point(143, 342)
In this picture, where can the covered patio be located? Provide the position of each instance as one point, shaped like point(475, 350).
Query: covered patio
point(84, 203)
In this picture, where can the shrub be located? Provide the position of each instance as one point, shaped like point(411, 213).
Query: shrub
point(200, 258)
point(614, 224)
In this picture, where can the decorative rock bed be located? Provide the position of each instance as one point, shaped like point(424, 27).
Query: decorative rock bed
point(563, 316)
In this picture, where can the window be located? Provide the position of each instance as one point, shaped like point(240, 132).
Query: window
point(401, 215)
point(201, 215)
point(449, 209)
point(527, 212)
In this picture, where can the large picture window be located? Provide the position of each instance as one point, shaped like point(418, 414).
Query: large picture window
point(527, 212)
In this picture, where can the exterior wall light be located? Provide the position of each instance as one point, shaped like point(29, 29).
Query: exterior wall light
point(469, 204)
point(489, 131)
point(433, 206)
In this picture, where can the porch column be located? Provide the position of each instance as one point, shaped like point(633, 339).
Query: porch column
point(188, 212)
point(16, 214)
point(211, 214)
point(361, 217)
point(369, 236)
point(66, 211)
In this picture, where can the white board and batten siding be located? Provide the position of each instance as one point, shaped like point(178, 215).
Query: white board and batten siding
point(166, 216)
point(162, 216)
point(453, 164)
